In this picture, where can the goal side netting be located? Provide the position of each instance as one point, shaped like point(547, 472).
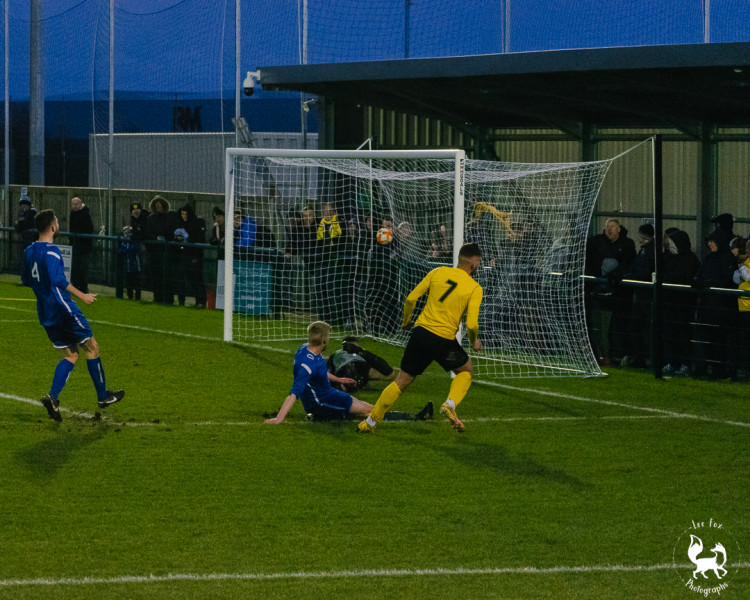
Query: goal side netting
point(345, 236)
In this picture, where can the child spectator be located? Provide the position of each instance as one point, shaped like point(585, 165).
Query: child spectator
point(129, 253)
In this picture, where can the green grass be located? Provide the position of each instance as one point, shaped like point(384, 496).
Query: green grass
point(183, 478)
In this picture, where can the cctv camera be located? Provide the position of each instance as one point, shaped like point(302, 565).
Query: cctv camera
point(249, 84)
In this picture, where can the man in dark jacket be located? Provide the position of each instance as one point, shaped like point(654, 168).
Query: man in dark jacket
point(639, 325)
point(679, 266)
point(724, 222)
point(188, 267)
point(715, 312)
point(24, 226)
point(138, 221)
point(611, 309)
point(160, 227)
point(80, 223)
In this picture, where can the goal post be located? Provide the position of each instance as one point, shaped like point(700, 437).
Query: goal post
point(303, 243)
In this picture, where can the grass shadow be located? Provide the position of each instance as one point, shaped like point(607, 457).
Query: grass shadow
point(481, 455)
point(45, 458)
point(556, 408)
point(261, 356)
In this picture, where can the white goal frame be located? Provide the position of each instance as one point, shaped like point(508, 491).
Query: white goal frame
point(458, 156)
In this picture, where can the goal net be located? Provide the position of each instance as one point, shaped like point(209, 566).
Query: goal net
point(344, 236)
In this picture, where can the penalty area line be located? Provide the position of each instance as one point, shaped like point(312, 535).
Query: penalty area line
point(345, 574)
point(649, 409)
point(194, 336)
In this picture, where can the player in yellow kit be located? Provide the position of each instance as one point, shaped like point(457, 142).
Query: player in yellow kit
point(452, 293)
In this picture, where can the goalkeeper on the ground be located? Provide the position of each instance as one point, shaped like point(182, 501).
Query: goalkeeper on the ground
point(312, 385)
point(356, 363)
point(452, 293)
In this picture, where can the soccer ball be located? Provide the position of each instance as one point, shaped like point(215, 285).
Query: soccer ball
point(384, 236)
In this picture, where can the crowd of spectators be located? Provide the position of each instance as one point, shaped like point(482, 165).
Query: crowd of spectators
point(704, 332)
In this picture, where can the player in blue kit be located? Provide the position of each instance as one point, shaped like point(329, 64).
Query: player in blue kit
point(312, 385)
point(66, 327)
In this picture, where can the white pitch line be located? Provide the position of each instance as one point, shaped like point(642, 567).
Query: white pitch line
point(347, 574)
point(77, 413)
point(388, 423)
point(650, 409)
point(160, 423)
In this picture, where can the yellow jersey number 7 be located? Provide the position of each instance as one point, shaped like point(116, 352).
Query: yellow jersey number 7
point(451, 286)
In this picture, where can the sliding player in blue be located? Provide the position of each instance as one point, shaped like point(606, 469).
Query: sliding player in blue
point(65, 324)
point(312, 385)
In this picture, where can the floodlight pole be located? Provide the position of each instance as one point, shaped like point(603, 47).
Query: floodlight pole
point(36, 95)
point(506, 29)
point(6, 146)
point(407, 18)
point(111, 127)
point(706, 21)
point(237, 74)
point(304, 107)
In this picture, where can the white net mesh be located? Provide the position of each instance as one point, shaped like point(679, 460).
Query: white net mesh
point(307, 245)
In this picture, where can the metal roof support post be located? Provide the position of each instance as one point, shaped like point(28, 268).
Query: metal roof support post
point(588, 152)
point(588, 149)
point(707, 201)
point(656, 305)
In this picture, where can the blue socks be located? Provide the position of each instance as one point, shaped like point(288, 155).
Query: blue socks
point(62, 372)
point(97, 376)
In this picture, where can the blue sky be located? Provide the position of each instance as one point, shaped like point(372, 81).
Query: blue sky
point(185, 48)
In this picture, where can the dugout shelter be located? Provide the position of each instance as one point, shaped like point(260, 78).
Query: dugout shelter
point(561, 105)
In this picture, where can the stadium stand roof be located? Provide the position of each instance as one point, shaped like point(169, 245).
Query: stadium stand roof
point(649, 86)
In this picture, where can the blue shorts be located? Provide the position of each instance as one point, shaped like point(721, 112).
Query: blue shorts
point(72, 330)
point(334, 406)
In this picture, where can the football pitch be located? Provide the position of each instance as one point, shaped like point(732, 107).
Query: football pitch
point(564, 488)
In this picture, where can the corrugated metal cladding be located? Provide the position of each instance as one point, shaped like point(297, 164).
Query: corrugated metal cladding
point(174, 162)
point(396, 131)
point(628, 188)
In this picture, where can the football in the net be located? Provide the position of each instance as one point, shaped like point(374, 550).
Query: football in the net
point(384, 236)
